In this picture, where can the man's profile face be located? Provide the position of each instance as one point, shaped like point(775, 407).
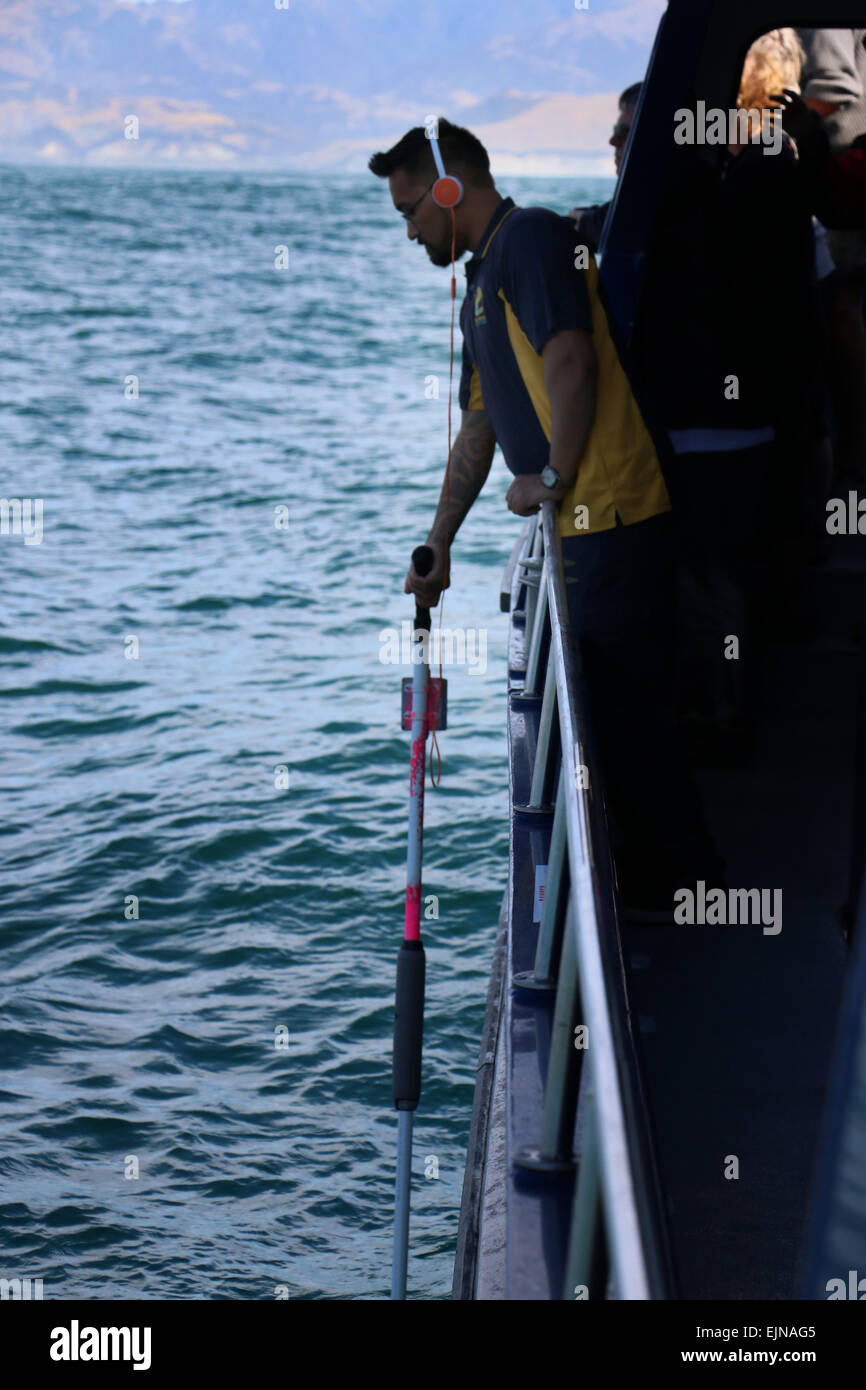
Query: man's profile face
point(429, 224)
point(620, 134)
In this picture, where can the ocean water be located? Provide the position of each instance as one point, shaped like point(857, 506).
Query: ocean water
point(198, 948)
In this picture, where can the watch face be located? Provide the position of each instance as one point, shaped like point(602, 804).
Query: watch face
point(549, 476)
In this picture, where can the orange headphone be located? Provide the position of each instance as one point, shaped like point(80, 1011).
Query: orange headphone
point(447, 190)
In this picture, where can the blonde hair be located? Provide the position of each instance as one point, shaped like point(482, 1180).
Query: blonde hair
point(775, 60)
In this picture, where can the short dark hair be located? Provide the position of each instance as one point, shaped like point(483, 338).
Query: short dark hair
point(631, 94)
point(462, 153)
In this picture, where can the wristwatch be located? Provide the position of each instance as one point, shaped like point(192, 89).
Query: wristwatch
point(550, 477)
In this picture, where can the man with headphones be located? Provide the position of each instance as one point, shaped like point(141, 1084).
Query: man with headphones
point(542, 378)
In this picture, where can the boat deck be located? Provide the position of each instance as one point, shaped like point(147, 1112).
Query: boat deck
point(734, 1028)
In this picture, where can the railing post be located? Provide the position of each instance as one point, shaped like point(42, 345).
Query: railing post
point(550, 927)
point(563, 1069)
point(536, 805)
point(535, 639)
point(532, 567)
point(541, 764)
point(586, 1264)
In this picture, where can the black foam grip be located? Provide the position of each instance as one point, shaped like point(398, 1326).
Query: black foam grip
point(422, 563)
point(408, 1025)
point(422, 560)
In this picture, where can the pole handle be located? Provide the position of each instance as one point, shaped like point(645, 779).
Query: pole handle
point(422, 563)
point(422, 560)
point(408, 1025)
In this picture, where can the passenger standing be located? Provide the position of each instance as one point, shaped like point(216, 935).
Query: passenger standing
point(723, 314)
point(541, 377)
point(834, 84)
point(591, 220)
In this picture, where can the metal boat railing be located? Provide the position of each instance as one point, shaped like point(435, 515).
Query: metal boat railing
point(617, 1232)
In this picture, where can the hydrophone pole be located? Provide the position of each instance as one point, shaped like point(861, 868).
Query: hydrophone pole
point(409, 1001)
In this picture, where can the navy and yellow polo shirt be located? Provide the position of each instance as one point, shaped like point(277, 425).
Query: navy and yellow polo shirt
point(522, 288)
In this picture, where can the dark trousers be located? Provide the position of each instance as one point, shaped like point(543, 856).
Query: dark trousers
point(621, 592)
point(720, 510)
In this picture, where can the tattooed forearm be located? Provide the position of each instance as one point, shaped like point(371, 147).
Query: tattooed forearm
point(471, 457)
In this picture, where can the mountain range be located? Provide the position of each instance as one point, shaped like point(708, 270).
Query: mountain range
point(313, 84)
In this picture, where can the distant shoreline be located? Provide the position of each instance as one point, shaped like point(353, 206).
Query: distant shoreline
point(606, 182)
